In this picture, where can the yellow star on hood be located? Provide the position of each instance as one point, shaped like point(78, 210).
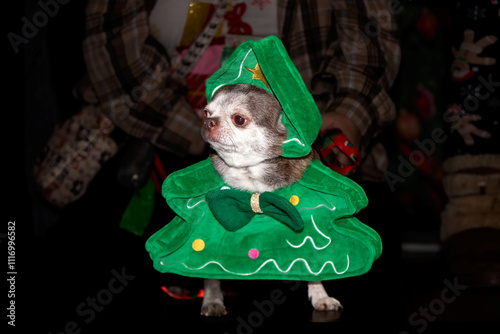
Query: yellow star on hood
point(257, 74)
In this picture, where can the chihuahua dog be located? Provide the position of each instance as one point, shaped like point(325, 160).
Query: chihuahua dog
point(242, 124)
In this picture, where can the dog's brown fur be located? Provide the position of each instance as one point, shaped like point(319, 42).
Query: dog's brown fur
point(261, 110)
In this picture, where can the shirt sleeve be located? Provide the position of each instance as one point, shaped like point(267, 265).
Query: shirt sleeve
point(128, 76)
point(360, 65)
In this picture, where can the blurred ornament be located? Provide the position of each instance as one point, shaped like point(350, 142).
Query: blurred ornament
point(427, 24)
point(423, 100)
point(404, 197)
point(408, 125)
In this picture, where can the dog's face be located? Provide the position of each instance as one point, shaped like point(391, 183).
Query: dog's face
point(242, 123)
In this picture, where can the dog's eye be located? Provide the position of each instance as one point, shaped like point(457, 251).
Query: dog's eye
point(205, 113)
point(238, 120)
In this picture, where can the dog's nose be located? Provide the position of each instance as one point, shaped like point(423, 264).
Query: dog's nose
point(211, 123)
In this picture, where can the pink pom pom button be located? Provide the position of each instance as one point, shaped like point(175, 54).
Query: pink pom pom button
point(253, 253)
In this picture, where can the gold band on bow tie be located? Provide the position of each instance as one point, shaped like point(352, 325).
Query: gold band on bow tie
point(231, 208)
point(254, 203)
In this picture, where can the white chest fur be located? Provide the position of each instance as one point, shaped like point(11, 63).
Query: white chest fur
point(250, 179)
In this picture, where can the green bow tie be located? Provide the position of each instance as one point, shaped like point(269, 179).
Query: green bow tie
point(235, 208)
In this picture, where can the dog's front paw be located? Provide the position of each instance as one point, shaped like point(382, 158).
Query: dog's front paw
point(327, 304)
point(320, 299)
point(213, 310)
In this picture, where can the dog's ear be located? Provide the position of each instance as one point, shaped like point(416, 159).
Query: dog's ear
point(280, 128)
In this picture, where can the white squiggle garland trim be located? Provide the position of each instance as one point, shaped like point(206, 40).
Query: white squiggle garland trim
point(192, 206)
point(294, 139)
point(277, 267)
point(239, 74)
point(318, 206)
point(311, 239)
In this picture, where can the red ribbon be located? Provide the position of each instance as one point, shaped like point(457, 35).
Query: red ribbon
point(158, 169)
point(234, 21)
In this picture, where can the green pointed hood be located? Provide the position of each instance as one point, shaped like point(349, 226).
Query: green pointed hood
point(265, 63)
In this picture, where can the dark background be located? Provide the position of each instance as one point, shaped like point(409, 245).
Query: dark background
point(66, 257)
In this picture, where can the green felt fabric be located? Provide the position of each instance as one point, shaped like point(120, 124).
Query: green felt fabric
point(232, 208)
point(300, 114)
point(318, 238)
point(332, 244)
point(138, 213)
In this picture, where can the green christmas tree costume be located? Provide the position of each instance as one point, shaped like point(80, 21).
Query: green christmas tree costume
point(305, 231)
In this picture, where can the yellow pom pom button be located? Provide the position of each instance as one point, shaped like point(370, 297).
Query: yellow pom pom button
point(198, 245)
point(294, 199)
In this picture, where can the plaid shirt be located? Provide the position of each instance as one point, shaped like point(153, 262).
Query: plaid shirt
point(346, 51)
point(348, 54)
